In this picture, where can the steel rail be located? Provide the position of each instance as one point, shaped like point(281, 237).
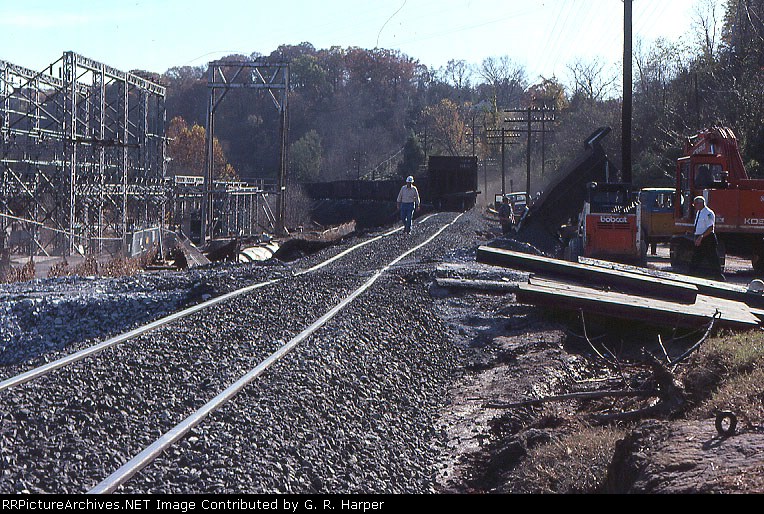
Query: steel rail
point(126, 336)
point(46, 368)
point(150, 453)
point(364, 243)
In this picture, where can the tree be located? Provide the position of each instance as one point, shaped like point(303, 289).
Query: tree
point(590, 81)
point(305, 157)
point(549, 93)
point(706, 22)
point(661, 114)
point(187, 149)
point(446, 128)
point(186, 93)
point(743, 36)
point(457, 73)
point(507, 80)
point(413, 156)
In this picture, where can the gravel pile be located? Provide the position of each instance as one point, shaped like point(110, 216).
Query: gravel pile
point(41, 317)
point(353, 409)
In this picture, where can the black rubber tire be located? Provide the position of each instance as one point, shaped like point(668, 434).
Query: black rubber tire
point(720, 418)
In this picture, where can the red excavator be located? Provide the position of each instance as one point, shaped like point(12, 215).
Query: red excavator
point(713, 168)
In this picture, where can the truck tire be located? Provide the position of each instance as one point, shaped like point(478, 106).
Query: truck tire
point(680, 252)
point(757, 257)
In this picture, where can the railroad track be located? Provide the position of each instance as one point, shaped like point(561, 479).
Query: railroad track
point(184, 367)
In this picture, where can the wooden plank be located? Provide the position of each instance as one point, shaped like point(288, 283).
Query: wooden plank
point(194, 257)
point(704, 286)
point(759, 313)
point(571, 296)
point(485, 285)
point(653, 287)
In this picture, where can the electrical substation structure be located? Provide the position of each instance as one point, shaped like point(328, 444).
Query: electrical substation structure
point(83, 163)
point(81, 156)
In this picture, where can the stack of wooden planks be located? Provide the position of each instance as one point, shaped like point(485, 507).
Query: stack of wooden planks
point(628, 292)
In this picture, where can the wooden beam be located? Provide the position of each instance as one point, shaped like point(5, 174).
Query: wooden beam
point(571, 296)
point(644, 285)
point(481, 285)
point(704, 286)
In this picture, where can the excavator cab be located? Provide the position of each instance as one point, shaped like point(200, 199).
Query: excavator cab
point(713, 168)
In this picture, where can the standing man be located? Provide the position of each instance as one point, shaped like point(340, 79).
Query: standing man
point(408, 202)
point(506, 216)
point(705, 240)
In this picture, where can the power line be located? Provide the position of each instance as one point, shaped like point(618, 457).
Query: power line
point(456, 30)
point(386, 21)
point(647, 13)
point(555, 32)
point(556, 52)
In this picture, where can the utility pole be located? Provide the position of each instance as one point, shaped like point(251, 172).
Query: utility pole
point(626, 113)
point(485, 182)
point(528, 156)
point(499, 136)
point(473, 135)
point(543, 145)
point(525, 121)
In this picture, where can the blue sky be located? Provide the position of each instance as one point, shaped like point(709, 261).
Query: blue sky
point(543, 35)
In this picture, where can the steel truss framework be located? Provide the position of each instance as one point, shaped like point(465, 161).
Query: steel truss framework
point(82, 156)
point(240, 209)
point(225, 76)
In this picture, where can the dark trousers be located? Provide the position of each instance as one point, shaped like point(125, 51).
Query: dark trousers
point(706, 253)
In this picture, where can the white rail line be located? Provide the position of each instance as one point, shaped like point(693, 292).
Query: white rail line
point(45, 368)
point(133, 466)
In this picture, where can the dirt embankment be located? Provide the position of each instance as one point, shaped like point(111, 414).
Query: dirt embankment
point(520, 352)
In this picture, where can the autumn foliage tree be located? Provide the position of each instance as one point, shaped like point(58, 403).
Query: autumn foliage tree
point(305, 157)
point(446, 128)
point(353, 108)
point(187, 149)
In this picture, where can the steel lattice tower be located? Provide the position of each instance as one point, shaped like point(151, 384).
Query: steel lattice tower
point(82, 156)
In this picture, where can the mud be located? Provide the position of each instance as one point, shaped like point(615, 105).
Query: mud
point(521, 352)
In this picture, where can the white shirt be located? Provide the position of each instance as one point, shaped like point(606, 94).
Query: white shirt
point(703, 219)
point(409, 195)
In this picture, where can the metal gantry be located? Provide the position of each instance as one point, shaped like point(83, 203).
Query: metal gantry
point(227, 75)
point(82, 157)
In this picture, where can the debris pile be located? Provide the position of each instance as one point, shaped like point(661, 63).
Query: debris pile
point(629, 292)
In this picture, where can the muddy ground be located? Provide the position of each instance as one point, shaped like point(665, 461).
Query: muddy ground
point(521, 352)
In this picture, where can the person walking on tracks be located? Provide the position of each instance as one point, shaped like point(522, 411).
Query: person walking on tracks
point(506, 216)
point(408, 202)
point(705, 240)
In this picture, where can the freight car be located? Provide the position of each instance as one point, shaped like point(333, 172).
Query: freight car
point(450, 183)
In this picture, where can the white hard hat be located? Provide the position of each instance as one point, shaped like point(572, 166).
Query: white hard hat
point(409, 179)
point(756, 286)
